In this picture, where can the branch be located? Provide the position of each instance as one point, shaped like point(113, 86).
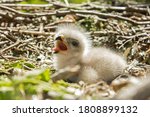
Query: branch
point(33, 32)
point(119, 9)
point(62, 13)
point(28, 5)
point(104, 15)
point(30, 32)
point(14, 58)
point(7, 35)
point(87, 6)
point(10, 47)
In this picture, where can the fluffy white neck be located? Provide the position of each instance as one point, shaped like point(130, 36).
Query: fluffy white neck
point(61, 61)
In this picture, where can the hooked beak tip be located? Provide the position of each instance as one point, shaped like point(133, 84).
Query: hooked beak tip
point(55, 50)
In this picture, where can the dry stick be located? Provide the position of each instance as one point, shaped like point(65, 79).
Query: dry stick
point(34, 14)
point(129, 38)
point(13, 45)
point(95, 17)
point(104, 15)
point(9, 9)
point(122, 45)
point(17, 12)
point(142, 29)
point(60, 13)
point(116, 28)
point(33, 32)
point(103, 33)
point(26, 31)
point(29, 45)
point(3, 56)
point(53, 4)
point(25, 42)
point(83, 6)
point(28, 5)
point(113, 8)
point(8, 37)
point(13, 58)
point(3, 42)
point(95, 33)
point(9, 47)
point(4, 37)
point(116, 8)
point(134, 36)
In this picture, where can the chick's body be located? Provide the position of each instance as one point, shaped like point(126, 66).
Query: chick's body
point(101, 63)
point(95, 63)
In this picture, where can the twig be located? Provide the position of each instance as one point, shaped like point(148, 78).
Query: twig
point(9, 47)
point(142, 29)
point(88, 6)
point(14, 58)
point(134, 36)
point(3, 42)
point(3, 56)
point(103, 33)
point(16, 12)
point(104, 15)
point(7, 36)
point(53, 4)
point(62, 13)
point(117, 8)
point(28, 5)
point(94, 17)
point(33, 32)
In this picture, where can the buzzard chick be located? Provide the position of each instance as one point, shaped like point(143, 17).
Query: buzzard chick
point(73, 47)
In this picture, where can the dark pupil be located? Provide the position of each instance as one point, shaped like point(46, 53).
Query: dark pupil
point(75, 43)
point(59, 38)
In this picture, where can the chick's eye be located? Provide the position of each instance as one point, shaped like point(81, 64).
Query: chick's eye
point(75, 43)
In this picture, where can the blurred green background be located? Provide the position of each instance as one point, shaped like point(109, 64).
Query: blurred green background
point(81, 1)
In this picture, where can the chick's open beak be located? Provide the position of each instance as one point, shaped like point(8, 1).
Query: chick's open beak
point(59, 45)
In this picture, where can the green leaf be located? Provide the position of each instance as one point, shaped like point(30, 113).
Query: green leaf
point(34, 2)
point(17, 64)
point(30, 65)
point(45, 76)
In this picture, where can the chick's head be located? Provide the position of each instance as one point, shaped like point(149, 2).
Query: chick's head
point(71, 39)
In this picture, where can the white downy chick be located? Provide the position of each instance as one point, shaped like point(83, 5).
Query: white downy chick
point(73, 47)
